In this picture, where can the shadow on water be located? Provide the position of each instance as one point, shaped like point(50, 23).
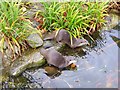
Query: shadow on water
point(97, 65)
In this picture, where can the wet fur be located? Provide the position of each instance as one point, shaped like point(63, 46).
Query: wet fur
point(62, 36)
point(53, 57)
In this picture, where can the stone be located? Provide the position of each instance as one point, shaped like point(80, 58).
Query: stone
point(34, 40)
point(32, 58)
point(47, 44)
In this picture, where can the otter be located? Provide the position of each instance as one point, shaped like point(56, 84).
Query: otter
point(55, 58)
point(62, 36)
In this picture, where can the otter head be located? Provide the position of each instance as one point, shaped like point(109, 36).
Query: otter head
point(70, 62)
point(59, 36)
point(77, 42)
point(62, 36)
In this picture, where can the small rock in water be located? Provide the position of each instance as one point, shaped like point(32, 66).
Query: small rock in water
point(34, 40)
point(52, 71)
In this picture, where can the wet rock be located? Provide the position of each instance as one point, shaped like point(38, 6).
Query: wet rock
point(52, 71)
point(34, 40)
point(32, 58)
point(56, 83)
point(112, 21)
point(117, 40)
point(37, 77)
point(49, 36)
point(47, 44)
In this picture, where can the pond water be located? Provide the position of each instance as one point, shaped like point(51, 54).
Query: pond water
point(97, 66)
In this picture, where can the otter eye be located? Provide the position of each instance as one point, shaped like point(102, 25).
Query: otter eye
point(60, 41)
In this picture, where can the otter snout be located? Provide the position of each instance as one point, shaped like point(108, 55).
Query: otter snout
point(83, 42)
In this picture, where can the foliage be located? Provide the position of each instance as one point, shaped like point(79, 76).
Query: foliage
point(13, 25)
point(79, 18)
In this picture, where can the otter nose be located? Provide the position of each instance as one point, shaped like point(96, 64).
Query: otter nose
point(84, 42)
point(88, 44)
point(60, 42)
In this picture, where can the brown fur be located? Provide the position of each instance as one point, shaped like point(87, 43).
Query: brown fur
point(53, 57)
point(64, 37)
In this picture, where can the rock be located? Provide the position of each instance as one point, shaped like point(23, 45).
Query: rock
point(35, 23)
point(32, 58)
point(52, 71)
point(34, 40)
point(47, 44)
point(37, 77)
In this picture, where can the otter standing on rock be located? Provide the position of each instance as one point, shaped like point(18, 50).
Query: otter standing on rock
point(62, 36)
point(55, 58)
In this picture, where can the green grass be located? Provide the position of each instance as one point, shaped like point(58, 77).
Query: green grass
point(79, 18)
point(14, 27)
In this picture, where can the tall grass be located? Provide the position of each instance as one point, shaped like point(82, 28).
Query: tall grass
point(14, 28)
point(79, 18)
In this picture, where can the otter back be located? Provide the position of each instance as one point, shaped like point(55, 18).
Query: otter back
point(55, 58)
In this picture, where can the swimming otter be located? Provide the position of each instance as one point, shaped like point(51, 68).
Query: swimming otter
point(64, 37)
point(55, 58)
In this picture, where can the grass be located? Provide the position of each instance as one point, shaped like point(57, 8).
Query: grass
point(14, 27)
point(79, 18)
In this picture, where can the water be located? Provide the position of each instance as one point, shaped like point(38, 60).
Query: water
point(97, 66)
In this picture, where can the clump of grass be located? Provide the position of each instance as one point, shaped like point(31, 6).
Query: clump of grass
point(50, 14)
point(79, 18)
point(13, 26)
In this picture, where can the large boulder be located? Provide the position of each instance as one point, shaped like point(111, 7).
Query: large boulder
point(34, 40)
point(32, 58)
